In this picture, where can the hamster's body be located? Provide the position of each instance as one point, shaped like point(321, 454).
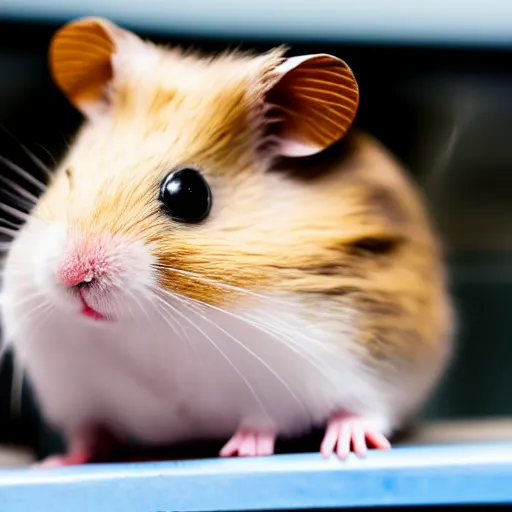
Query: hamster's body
point(314, 291)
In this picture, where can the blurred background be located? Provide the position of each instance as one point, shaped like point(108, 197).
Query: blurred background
point(436, 87)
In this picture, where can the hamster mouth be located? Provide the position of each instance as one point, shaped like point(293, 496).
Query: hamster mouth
point(89, 312)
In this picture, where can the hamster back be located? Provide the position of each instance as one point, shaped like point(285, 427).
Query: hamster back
point(220, 255)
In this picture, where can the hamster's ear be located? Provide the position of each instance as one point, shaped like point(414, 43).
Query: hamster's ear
point(316, 101)
point(80, 58)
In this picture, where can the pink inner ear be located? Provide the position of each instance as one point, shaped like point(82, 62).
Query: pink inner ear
point(293, 148)
point(95, 109)
point(316, 98)
point(292, 62)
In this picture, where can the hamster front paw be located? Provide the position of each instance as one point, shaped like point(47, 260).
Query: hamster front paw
point(79, 453)
point(96, 445)
point(345, 430)
point(250, 443)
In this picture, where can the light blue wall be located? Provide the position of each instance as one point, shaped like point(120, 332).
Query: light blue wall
point(447, 21)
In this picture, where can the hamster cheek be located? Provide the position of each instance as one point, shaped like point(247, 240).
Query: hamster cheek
point(25, 286)
point(51, 244)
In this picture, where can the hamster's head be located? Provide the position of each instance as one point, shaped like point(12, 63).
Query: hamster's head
point(169, 188)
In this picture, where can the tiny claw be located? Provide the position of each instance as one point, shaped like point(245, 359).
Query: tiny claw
point(59, 461)
point(345, 431)
point(249, 443)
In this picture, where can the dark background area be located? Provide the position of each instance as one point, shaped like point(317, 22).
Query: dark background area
point(445, 111)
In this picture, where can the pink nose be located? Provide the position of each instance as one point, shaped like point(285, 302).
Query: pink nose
point(71, 276)
point(74, 272)
point(83, 263)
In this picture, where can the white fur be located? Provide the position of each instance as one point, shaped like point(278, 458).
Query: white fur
point(160, 378)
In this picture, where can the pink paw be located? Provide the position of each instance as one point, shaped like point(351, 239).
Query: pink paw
point(94, 446)
point(249, 443)
point(59, 461)
point(344, 431)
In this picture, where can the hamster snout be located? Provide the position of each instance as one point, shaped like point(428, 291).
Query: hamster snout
point(88, 271)
point(103, 274)
point(85, 266)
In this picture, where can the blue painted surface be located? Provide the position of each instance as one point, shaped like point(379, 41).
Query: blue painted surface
point(452, 22)
point(456, 474)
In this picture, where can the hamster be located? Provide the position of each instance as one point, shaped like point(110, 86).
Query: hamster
point(222, 255)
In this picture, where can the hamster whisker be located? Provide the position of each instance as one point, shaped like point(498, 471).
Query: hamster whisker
point(24, 174)
point(214, 282)
point(38, 313)
point(12, 229)
point(5, 247)
point(282, 334)
point(45, 316)
point(18, 201)
point(36, 296)
point(216, 346)
point(164, 307)
point(17, 188)
point(291, 343)
point(19, 214)
point(127, 304)
point(189, 305)
point(46, 170)
point(287, 328)
point(44, 306)
point(10, 224)
point(8, 231)
point(139, 304)
point(40, 165)
point(170, 306)
point(171, 318)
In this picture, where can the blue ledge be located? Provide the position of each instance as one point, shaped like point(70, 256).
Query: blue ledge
point(447, 22)
point(457, 474)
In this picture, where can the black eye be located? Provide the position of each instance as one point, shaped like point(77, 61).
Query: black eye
point(186, 195)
